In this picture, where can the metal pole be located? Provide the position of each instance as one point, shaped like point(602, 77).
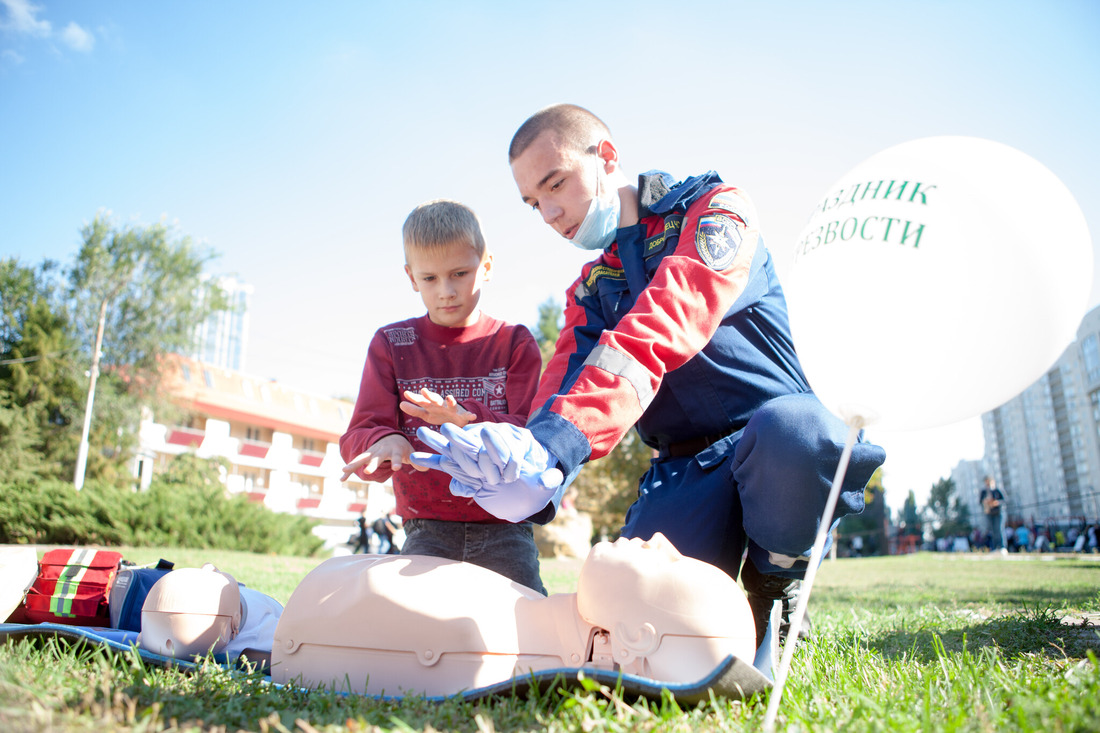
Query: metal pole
point(82, 453)
point(816, 553)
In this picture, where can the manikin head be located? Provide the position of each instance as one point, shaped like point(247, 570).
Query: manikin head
point(191, 611)
point(446, 261)
point(669, 617)
point(562, 159)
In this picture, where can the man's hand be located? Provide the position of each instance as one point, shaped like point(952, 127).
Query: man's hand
point(393, 449)
point(501, 466)
point(435, 409)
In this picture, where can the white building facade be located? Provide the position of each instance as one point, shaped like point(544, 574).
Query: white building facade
point(281, 444)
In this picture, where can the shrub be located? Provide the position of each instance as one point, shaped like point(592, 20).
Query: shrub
point(184, 507)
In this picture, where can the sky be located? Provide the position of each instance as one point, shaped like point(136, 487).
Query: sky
point(293, 138)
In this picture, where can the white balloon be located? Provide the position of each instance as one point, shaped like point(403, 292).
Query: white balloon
point(937, 280)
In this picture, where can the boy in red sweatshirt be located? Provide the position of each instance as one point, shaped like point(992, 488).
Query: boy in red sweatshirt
point(454, 364)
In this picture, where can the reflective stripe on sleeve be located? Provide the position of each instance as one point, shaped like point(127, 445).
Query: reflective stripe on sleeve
point(616, 362)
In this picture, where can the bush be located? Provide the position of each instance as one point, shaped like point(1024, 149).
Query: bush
point(184, 507)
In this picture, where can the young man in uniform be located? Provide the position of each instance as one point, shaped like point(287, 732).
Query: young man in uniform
point(678, 328)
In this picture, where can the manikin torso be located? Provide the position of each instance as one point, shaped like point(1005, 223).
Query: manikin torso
point(393, 625)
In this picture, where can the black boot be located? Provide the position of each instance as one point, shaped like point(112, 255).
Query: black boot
point(764, 590)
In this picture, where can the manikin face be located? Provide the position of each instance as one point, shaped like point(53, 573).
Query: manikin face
point(635, 581)
point(449, 282)
point(559, 182)
point(668, 616)
point(656, 551)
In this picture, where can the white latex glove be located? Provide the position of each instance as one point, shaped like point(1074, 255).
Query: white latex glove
point(501, 466)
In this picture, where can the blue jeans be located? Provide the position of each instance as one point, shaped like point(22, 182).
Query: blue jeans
point(508, 549)
point(763, 489)
point(996, 525)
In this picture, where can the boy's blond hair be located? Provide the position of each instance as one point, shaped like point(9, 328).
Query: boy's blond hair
point(436, 224)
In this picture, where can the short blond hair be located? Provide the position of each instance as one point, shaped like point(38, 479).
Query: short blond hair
point(440, 223)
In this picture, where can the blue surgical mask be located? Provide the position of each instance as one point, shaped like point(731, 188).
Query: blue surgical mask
point(597, 231)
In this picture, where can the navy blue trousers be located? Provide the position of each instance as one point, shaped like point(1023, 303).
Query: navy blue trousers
point(763, 488)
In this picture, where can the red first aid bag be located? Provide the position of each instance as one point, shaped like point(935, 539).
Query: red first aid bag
point(72, 587)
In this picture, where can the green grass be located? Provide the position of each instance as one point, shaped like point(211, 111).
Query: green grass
point(916, 643)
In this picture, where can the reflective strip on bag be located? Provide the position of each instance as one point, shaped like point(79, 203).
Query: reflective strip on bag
point(61, 602)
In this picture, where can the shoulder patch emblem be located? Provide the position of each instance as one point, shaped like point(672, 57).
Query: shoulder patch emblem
point(729, 201)
point(603, 271)
point(400, 336)
point(717, 239)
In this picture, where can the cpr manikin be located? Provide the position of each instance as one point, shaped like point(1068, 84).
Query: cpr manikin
point(397, 625)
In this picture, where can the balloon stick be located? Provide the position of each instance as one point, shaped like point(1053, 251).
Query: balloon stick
point(808, 581)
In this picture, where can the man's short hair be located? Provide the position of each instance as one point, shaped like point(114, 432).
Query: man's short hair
point(440, 223)
point(579, 129)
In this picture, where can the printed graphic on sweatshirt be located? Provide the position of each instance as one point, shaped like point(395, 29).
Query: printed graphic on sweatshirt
point(400, 336)
point(486, 390)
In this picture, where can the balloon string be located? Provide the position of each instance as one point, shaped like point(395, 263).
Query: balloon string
point(808, 581)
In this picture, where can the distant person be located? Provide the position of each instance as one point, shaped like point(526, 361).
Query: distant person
point(992, 500)
point(385, 528)
point(456, 365)
point(1023, 538)
point(362, 543)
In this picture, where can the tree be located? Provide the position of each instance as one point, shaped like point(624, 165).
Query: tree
point(131, 296)
point(20, 457)
point(910, 517)
point(606, 487)
point(548, 328)
point(137, 293)
point(950, 517)
point(39, 384)
point(871, 523)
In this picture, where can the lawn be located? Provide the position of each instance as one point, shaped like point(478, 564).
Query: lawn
point(926, 642)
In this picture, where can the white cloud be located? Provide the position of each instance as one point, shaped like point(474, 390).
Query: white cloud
point(77, 38)
point(11, 57)
point(20, 18)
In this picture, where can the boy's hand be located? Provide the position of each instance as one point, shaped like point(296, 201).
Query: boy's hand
point(393, 449)
point(502, 467)
point(435, 409)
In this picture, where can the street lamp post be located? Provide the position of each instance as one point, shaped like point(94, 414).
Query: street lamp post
point(82, 453)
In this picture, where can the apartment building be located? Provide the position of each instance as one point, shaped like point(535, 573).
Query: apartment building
point(1043, 446)
point(222, 339)
point(280, 443)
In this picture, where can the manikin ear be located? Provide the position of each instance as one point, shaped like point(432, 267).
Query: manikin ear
point(411, 279)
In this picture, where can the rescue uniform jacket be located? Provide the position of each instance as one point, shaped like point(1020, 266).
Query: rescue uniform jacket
point(680, 327)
